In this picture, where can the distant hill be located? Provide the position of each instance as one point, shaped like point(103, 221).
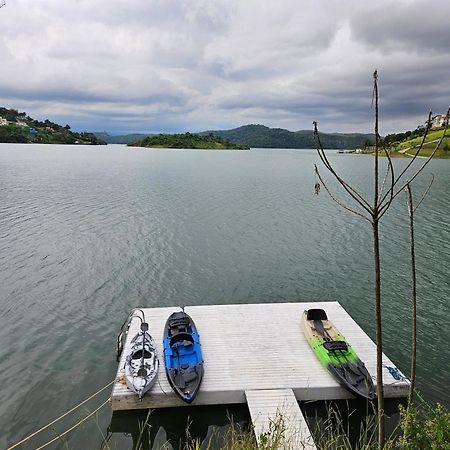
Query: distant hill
point(123, 139)
point(188, 140)
point(18, 127)
point(265, 137)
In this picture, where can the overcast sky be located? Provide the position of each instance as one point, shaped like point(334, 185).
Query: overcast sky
point(191, 65)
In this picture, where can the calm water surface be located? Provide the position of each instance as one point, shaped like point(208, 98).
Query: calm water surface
point(88, 233)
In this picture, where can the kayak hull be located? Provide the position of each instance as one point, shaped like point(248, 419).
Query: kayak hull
point(141, 364)
point(336, 354)
point(183, 356)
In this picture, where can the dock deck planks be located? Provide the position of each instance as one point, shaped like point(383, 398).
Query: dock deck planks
point(277, 409)
point(249, 347)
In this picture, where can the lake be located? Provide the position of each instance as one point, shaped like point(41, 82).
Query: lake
point(88, 233)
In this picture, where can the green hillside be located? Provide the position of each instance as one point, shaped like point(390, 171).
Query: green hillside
point(188, 140)
point(260, 136)
point(21, 128)
point(409, 146)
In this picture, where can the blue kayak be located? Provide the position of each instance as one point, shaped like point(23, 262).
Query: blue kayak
point(183, 355)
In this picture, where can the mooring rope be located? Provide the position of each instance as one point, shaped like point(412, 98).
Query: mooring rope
point(62, 416)
point(73, 427)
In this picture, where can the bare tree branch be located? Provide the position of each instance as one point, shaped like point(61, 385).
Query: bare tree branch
point(337, 200)
point(390, 168)
point(384, 208)
point(424, 194)
point(377, 137)
point(352, 192)
point(412, 159)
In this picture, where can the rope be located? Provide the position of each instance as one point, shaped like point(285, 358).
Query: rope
point(163, 391)
point(73, 427)
point(60, 417)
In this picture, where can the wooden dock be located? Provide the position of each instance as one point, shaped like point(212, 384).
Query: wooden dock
point(255, 347)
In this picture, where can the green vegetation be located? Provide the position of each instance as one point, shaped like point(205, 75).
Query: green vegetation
point(424, 427)
point(395, 138)
point(410, 146)
point(188, 140)
point(260, 136)
point(23, 129)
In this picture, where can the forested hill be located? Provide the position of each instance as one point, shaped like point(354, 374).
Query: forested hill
point(18, 127)
point(260, 136)
point(188, 140)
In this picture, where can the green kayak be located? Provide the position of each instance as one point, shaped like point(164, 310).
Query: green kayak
point(336, 354)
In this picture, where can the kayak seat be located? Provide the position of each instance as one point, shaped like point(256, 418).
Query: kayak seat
point(138, 354)
point(316, 314)
point(182, 337)
point(333, 346)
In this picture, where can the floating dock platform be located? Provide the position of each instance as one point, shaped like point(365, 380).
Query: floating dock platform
point(254, 352)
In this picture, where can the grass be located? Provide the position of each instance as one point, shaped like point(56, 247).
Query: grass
point(422, 427)
point(411, 145)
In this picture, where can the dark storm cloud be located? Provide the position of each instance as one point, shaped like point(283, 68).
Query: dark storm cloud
point(69, 95)
point(203, 64)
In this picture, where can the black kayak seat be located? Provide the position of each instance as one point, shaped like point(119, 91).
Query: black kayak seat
point(316, 314)
point(333, 346)
point(187, 337)
point(139, 354)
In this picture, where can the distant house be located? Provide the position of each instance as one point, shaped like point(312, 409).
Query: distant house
point(437, 121)
point(21, 124)
point(3, 121)
point(33, 131)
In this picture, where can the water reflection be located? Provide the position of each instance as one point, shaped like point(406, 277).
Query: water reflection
point(173, 428)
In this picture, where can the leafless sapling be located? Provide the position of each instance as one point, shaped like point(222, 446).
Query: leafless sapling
point(372, 211)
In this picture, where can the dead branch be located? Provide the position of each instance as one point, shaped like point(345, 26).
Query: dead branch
point(340, 203)
point(425, 193)
point(351, 191)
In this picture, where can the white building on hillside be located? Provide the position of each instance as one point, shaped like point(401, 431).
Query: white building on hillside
point(3, 121)
point(437, 121)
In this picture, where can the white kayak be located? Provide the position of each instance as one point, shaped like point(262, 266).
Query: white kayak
point(141, 363)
